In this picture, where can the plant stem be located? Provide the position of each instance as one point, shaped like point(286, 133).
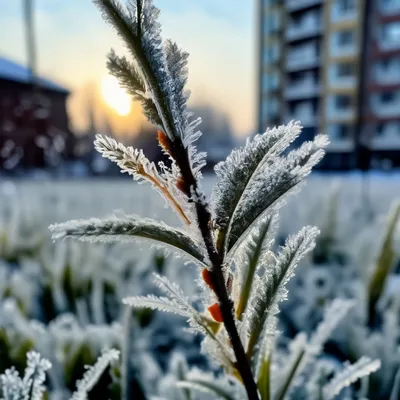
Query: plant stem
point(225, 303)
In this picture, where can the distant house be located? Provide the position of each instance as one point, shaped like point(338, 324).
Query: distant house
point(34, 130)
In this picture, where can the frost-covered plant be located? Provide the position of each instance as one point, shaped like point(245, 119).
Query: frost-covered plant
point(31, 386)
point(64, 301)
point(230, 239)
point(366, 274)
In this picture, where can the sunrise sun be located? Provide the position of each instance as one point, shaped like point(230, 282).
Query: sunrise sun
point(115, 96)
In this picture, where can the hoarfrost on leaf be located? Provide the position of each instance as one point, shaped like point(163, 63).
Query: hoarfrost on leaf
point(350, 374)
point(92, 375)
point(126, 229)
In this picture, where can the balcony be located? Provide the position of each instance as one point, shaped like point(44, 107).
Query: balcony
point(339, 108)
point(309, 26)
point(304, 113)
point(294, 5)
point(340, 14)
point(386, 104)
point(340, 115)
point(341, 137)
point(387, 138)
point(346, 82)
point(389, 36)
point(341, 145)
point(302, 58)
point(387, 74)
point(343, 44)
point(272, 22)
point(342, 76)
point(302, 90)
point(389, 7)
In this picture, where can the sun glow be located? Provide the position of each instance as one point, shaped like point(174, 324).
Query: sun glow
point(115, 96)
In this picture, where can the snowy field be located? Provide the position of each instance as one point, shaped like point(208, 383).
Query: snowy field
point(55, 201)
point(75, 289)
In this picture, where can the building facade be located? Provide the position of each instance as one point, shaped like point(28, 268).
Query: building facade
point(34, 125)
point(335, 66)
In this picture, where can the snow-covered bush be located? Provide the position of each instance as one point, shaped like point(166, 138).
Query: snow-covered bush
point(242, 281)
point(363, 271)
point(64, 300)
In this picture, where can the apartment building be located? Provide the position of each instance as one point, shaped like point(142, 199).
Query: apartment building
point(335, 66)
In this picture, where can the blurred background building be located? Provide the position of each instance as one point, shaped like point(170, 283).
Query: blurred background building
point(34, 127)
point(335, 66)
point(332, 64)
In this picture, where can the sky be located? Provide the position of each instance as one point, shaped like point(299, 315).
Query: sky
point(73, 40)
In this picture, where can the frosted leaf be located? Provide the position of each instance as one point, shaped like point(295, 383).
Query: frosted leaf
point(176, 63)
point(11, 385)
point(208, 387)
point(350, 374)
point(196, 320)
point(266, 345)
point(156, 303)
point(134, 163)
point(93, 374)
point(35, 375)
point(220, 354)
point(333, 315)
point(161, 67)
point(303, 353)
point(275, 178)
point(130, 79)
point(31, 385)
point(395, 393)
point(249, 259)
point(235, 173)
point(265, 301)
point(292, 365)
point(126, 229)
point(220, 387)
point(176, 302)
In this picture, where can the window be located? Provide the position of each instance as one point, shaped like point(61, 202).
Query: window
point(270, 81)
point(271, 53)
point(385, 63)
point(345, 70)
point(343, 131)
point(387, 97)
point(345, 38)
point(391, 32)
point(342, 102)
point(340, 131)
point(380, 129)
point(271, 22)
point(346, 5)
